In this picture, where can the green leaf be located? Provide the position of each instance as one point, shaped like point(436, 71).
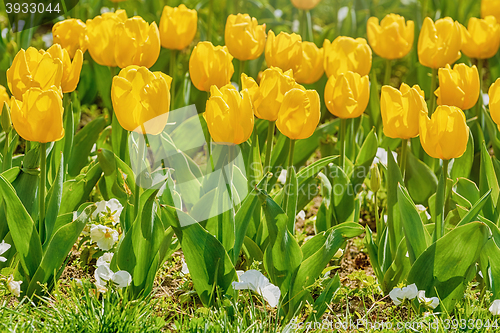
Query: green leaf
point(468, 189)
point(342, 198)
point(54, 198)
point(420, 180)
point(372, 253)
point(398, 270)
point(474, 211)
point(488, 180)
point(325, 298)
point(77, 191)
point(364, 160)
point(394, 226)
point(490, 266)
point(462, 166)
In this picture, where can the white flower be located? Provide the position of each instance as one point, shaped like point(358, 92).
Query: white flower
point(301, 215)
point(282, 177)
point(382, 156)
point(105, 259)
point(103, 273)
point(105, 237)
point(256, 281)
point(14, 286)
point(432, 302)
point(3, 248)
point(421, 209)
point(184, 269)
point(398, 295)
point(495, 307)
point(110, 209)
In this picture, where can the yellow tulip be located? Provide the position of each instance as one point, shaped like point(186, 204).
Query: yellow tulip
point(178, 27)
point(311, 65)
point(245, 38)
point(347, 95)
point(481, 39)
point(210, 65)
point(101, 32)
point(72, 35)
point(268, 97)
point(439, 43)
point(229, 115)
point(283, 51)
point(458, 86)
point(32, 69)
point(141, 99)
point(401, 110)
point(4, 97)
point(299, 113)
point(71, 70)
point(490, 7)
point(305, 4)
point(494, 94)
point(445, 134)
point(347, 54)
point(39, 116)
point(392, 38)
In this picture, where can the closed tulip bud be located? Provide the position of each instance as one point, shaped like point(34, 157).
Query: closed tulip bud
point(178, 27)
point(210, 65)
point(494, 94)
point(32, 69)
point(4, 97)
point(268, 97)
point(490, 7)
point(458, 87)
point(229, 115)
point(71, 69)
point(392, 38)
point(481, 39)
point(347, 54)
point(39, 116)
point(299, 113)
point(305, 4)
point(141, 99)
point(71, 34)
point(401, 110)
point(439, 43)
point(311, 65)
point(347, 95)
point(101, 31)
point(283, 51)
point(445, 134)
point(375, 180)
point(245, 39)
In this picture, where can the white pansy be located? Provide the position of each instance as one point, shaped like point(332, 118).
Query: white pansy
point(301, 215)
point(105, 237)
point(184, 269)
point(105, 259)
point(495, 307)
point(121, 279)
point(431, 302)
point(256, 281)
point(110, 209)
point(14, 286)
point(282, 177)
point(398, 295)
point(3, 248)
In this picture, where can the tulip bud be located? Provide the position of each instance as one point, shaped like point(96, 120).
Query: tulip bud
point(141, 99)
point(6, 120)
point(310, 69)
point(229, 115)
point(439, 43)
point(71, 34)
point(481, 39)
point(39, 116)
point(210, 65)
point(71, 70)
point(347, 54)
point(445, 134)
point(305, 4)
point(490, 7)
point(245, 39)
point(178, 27)
point(458, 87)
point(299, 113)
point(283, 51)
point(392, 38)
point(401, 110)
point(375, 178)
point(494, 95)
point(268, 97)
point(347, 95)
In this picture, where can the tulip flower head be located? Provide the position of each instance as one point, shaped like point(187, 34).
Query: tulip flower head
point(71, 34)
point(347, 95)
point(268, 97)
point(347, 54)
point(398, 295)
point(229, 115)
point(245, 39)
point(299, 113)
point(305, 4)
point(283, 51)
point(71, 69)
point(445, 134)
point(401, 110)
point(481, 39)
point(4, 97)
point(178, 26)
point(439, 43)
point(310, 69)
point(392, 38)
point(39, 115)
point(490, 7)
point(32, 69)
point(494, 95)
point(210, 65)
point(141, 99)
point(458, 86)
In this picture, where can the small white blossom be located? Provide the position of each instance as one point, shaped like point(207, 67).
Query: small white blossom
point(282, 177)
point(3, 248)
point(495, 307)
point(108, 209)
point(105, 259)
point(105, 237)
point(121, 279)
point(184, 269)
point(421, 209)
point(14, 286)
point(301, 215)
point(431, 302)
point(382, 156)
point(398, 295)
point(257, 282)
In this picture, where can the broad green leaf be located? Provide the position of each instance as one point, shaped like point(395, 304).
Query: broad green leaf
point(490, 267)
point(488, 180)
point(364, 160)
point(53, 199)
point(398, 269)
point(468, 190)
point(420, 180)
point(342, 198)
point(394, 226)
point(462, 166)
point(474, 211)
point(77, 191)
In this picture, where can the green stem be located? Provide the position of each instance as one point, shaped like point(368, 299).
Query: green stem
point(441, 202)
point(173, 54)
point(479, 104)
point(269, 149)
point(7, 163)
point(209, 21)
point(288, 175)
point(41, 192)
point(404, 157)
point(310, 36)
point(303, 25)
point(140, 156)
point(343, 125)
point(432, 100)
point(388, 71)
